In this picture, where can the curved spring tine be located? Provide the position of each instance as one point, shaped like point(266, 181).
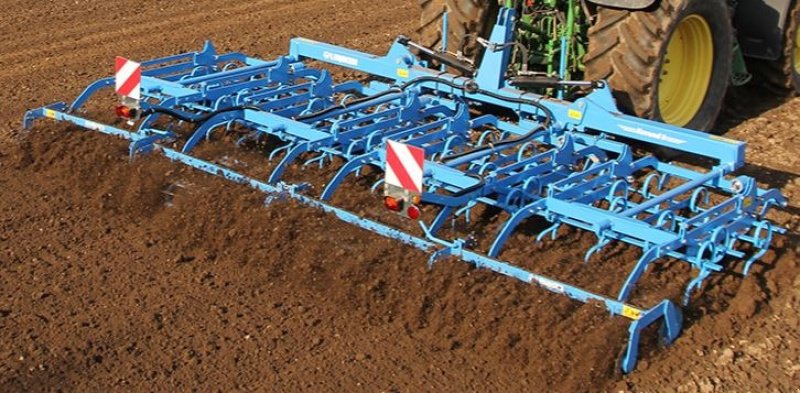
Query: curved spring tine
point(601, 243)
point(767, 205)
point(467, 215)
point(667, 216)
point(531, 185)
point(761, 243)
point(665, 178)
point(466, 211)
point(371, 139)
point(325, 156)
point(249, 137)
point(318, 159)
point(515, 198)
point(647, 186)
point(240, 97)
point(210, 131)
point(695, 285)
point(522, 150)
point(618, 204)
point(553, 231)
point(722, 242)
point(697, 195)
point(755, 258)
point(280, 150)
point(487, 167)
point(312, 102)
point(346, 98)
point(436, 256)
point(375, 186)
point(450, 144)
point(482, 139)
point(230, 124)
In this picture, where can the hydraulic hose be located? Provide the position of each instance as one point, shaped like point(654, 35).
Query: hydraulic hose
point(548, 121)
point(182, 116)
point(310, 116)
point(472, 88)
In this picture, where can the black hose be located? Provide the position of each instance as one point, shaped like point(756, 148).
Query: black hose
point(548, 121)
point(330, 109)
point(443, 57)
point(476, 187)
point(472, 88)
point(182, 116)
point(468, 86)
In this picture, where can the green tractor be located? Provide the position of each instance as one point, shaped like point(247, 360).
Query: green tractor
point(669, 60)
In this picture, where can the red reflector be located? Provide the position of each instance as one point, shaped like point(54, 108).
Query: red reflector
point(413, 212)
point(124, 111)
point(392, 204)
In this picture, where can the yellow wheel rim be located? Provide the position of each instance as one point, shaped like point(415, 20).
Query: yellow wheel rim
point(687, 69)
point(797, 52)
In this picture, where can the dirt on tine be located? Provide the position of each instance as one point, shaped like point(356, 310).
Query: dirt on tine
point(148, 276)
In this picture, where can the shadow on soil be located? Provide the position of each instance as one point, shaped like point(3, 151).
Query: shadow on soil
point(748, 102)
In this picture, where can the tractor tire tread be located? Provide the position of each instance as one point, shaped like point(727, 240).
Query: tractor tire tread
point(780, 74)
point(466, 17)
point(626, 48)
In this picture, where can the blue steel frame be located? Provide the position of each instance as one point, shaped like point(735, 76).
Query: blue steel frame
point(579, 173)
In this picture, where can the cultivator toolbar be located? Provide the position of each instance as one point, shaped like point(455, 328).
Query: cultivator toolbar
point(484, 143)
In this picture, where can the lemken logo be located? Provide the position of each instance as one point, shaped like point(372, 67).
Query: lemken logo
point(342, 59)
point(653, 135)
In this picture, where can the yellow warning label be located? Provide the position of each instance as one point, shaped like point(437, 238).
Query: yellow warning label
point(575, 114)
point(748, 202)
point(723, 139)
point(50, 114)
point(632, 313)
point(402, 72)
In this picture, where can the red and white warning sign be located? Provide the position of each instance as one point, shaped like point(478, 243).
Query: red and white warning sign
point(404, 166)
point(129, 78)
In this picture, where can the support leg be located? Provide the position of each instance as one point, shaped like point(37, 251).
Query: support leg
point(287, 159)
point(352, 166)
point(671, 329)
point(509, 228)
point(648, 257)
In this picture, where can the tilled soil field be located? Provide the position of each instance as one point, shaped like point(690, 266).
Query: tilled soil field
point(147, 276)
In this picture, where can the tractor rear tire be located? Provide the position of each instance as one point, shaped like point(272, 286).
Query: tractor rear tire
point(784, 74)
point(629, 49)
point(467, 19)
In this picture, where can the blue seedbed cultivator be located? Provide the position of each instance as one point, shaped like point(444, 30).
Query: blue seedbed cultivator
point(482, 142)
